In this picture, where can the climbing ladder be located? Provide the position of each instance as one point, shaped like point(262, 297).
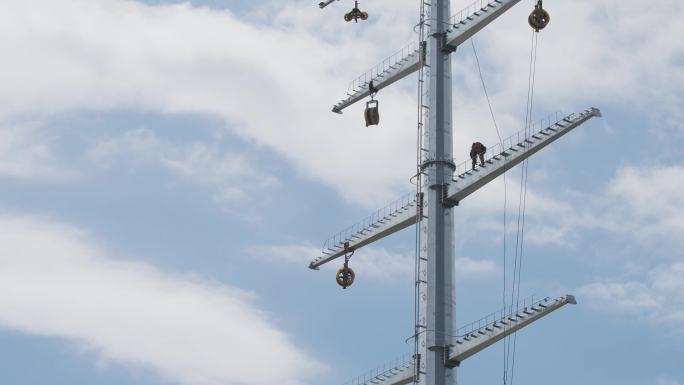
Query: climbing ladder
point(406, 61)
point(476, 336)
point(403, 212)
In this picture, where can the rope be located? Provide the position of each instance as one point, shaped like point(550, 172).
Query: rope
point(484, 88)
point(505, 208)
point(522, 205)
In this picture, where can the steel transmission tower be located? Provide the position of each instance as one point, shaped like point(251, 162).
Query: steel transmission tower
point(440, 346)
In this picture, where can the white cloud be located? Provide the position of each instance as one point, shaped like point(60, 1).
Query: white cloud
point(667, 381)
point(657, 297)
point(55, 282)
point(229, 174)
point(274, 77)
point(26, 153)
point(375, 262)
point(644, 204)
point(648, 202)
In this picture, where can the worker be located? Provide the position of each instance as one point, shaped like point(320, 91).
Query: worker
point(477, 149)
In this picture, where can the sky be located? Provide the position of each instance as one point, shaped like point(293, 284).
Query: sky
point(169, 168)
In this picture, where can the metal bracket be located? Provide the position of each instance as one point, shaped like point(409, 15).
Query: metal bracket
point(445, 45)
point(423, 52)
point(445, 197)
point(419, 204)
point(416, 367)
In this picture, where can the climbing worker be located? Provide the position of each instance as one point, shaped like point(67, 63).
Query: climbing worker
point(477, 149)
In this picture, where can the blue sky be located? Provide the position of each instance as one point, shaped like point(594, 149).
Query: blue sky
point(168, 169)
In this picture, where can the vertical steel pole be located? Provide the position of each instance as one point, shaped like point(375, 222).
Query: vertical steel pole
point(437, 303)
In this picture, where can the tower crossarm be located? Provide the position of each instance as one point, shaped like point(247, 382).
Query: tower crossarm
point(398, 215)
point(477, 339)
point(408, 60)
point(401, 374)
point(401, 64)
point(511, 152)
point(472, 19)
point(404, 212)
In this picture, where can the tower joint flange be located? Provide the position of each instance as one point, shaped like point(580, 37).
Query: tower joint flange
point(430, 162)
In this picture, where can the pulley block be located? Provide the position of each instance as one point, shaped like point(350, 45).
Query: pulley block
point(539, 18)
point(372, 113)
point(356, 14)
point(345, 276)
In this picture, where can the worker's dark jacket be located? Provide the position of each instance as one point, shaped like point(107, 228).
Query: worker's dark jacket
point(477, 148)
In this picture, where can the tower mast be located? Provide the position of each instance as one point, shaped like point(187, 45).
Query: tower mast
point(437, 319)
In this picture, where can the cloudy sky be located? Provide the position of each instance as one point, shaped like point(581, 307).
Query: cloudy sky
point(168, 169)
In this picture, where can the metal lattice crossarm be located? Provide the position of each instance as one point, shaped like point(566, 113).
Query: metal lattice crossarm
point(391, 218)
point(398, 373)
point(477, 336)
point(408, 60)
point(401, 64)
point(403, 213)
point(510, 153)
point(488, 334)
point(472, 19)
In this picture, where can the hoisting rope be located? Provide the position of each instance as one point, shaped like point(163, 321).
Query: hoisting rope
point(505, 204)
point(509, 362)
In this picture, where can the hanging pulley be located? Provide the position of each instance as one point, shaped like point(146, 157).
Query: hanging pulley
point(356, 14)
point(539, 18)
point(372, 111)
point(345, 275)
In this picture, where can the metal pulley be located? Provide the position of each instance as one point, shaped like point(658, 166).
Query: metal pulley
point(372, 111)
point(356, 14)
point(539, 18)
point(345, 275)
